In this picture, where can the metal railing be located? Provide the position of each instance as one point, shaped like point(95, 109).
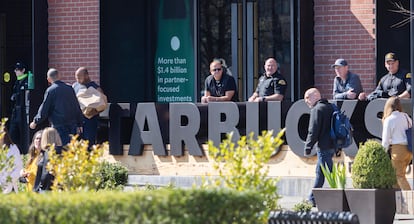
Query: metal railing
point(323, 217)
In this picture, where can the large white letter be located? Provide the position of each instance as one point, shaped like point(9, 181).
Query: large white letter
point(217, 126)
point(186, 132)
point(146, 112)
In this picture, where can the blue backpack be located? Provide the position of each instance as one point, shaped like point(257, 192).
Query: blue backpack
point(341, 129)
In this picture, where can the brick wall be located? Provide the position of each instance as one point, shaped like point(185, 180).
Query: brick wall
point(74, 37)
point(344, 29)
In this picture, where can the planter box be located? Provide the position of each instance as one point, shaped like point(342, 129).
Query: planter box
point(328, 199)
point(373, 206)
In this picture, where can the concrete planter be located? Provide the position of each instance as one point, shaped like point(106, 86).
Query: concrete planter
point(328, 199)
point(373, 206)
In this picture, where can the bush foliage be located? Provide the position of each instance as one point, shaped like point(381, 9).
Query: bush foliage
point(243, 166)
point(6, 163)
point(76, 168)
point(112, 176)
point(303, 206)
point(81, 169)
point(372, 167)
point(157, 207)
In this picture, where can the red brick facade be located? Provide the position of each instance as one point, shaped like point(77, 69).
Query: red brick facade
point(344, 29)
point(74, 37)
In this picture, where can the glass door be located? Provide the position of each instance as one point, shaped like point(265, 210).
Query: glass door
point(245, 33)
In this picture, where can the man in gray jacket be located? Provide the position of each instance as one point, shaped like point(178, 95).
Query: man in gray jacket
point(347, 85)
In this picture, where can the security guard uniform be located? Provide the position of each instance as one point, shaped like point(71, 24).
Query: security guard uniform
point(392, 85)
point(271, 85)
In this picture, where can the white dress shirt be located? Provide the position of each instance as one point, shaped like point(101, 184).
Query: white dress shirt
point(393, 129)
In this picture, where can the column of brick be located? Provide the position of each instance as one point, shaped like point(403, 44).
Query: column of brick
point(74, 37)
point(344, 29)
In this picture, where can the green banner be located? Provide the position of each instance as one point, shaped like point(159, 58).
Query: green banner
point(174, 58)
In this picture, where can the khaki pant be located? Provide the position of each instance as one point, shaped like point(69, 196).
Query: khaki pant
point(400, 158)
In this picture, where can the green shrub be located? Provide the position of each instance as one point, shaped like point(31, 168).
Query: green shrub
point(243, 167)
point(6, 163)
point(372, 167)
point(23, 186)
point(151, 207)
point(112, 176)
point(77, 168)
point(337, 177)
point(303, 206)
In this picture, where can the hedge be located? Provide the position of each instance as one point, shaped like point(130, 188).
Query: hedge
point(156, 206)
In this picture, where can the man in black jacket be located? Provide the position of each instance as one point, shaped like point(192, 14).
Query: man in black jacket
point(61, 107)
point(319, 132)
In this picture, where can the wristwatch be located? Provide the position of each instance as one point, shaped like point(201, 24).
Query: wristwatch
point(263, 99)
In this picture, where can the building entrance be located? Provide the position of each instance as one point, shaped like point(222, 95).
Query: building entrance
point(245, 33)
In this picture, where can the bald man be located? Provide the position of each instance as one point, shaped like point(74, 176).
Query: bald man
point(90, 123)
point(319, 132)
point(272, 85)
point(61, 107)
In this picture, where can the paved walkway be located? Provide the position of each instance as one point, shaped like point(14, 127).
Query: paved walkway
point(288, 202)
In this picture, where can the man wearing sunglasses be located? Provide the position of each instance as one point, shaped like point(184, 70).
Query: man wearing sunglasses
point(219, 86)
point(272, 85)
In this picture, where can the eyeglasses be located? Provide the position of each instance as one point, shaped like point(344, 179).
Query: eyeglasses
point(216, 69)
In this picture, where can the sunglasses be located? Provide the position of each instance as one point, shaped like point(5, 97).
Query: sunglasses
point(216, 69)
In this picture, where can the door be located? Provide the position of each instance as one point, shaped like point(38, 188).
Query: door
point(245, 33)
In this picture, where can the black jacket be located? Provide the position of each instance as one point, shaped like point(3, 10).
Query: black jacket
point(60, 106)
point(44, 180)
point(18, 101)
point(320, 126)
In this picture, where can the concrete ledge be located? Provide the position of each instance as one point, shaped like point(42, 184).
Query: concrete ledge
point(288, 186)
point(405, 202)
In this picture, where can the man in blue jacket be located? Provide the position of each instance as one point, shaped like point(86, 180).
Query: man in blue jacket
point(61, 107)
point(319, 132)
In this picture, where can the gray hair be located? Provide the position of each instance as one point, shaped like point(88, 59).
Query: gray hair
point(53, 74)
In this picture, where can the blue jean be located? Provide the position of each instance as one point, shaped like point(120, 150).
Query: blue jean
point(65, 132)
point(324, 156)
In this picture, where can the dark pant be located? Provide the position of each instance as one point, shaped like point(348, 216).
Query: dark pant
point(18, 132)
point(19, 129)
point(65, 132)
point(324, 156)
point(90, 128)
